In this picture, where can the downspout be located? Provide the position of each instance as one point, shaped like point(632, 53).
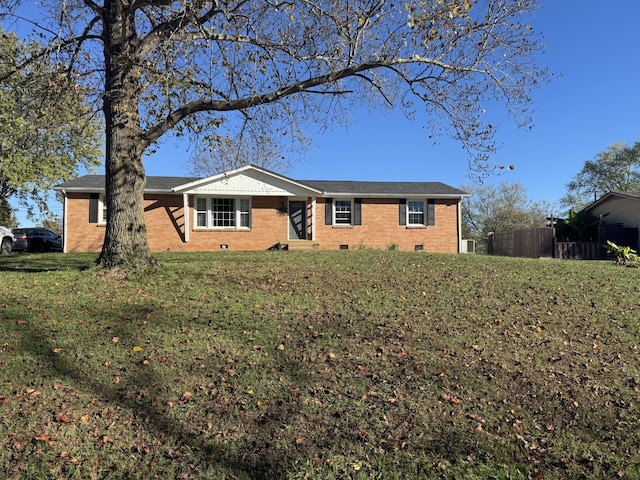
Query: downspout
point(459, 215)
point(185, 209)
point(64, 221)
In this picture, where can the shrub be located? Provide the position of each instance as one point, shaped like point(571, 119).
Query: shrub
point(624, 255)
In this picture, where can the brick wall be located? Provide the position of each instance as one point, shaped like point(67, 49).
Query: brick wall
point(165, 221)
point(381, 228)
point(164, 216)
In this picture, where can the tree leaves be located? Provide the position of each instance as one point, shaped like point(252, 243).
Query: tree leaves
point(48, 130)
point(617, 168)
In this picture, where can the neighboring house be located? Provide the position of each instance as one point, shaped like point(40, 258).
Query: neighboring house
point(622, 211)
point(254, 209)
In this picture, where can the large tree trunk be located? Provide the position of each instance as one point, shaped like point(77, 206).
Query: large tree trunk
point(125, 245)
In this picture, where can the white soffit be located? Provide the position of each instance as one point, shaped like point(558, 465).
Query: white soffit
point(248, 182)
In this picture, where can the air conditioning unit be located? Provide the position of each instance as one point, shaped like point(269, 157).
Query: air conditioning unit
point(468, 246)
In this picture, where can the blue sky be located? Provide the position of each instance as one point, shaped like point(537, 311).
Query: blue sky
point(593, 46)
point(594, 102)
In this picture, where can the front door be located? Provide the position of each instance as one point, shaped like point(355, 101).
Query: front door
point(297, 220)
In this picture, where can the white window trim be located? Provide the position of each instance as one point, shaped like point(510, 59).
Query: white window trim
point(351, 212)
point(209, 213)
point(424, 212)
point(102, 209)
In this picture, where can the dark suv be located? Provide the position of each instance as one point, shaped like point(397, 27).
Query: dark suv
point(39, 239)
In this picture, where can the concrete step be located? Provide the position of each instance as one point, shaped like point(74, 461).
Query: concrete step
point(307, 245)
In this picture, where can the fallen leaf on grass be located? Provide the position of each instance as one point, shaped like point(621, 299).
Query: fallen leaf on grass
point(138, 348)
point(44, 438)
point(32, 392)
point(62, 418)
point(103, 439)
point(450, 399)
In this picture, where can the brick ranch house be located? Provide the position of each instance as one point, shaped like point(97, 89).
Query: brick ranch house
point(251, 208)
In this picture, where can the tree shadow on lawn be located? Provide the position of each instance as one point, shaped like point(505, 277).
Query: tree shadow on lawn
point(262, 457)
point(45, 262)
point(151, 416)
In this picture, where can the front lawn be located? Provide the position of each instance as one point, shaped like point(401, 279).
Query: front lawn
point(292, 365)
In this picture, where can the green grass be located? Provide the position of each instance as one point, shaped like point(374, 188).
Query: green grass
point(286, 365)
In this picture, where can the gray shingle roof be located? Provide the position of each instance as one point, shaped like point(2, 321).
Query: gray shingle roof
point(97, 182)
point(332, 187)
point(92, 183)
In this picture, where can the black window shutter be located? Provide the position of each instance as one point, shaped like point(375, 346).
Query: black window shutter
point(93, 207)
point(328, 211)
point(431, 212)
point(402, 211)
point(357, 211)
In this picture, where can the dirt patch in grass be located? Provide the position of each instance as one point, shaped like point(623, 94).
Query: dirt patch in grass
point(320, 365)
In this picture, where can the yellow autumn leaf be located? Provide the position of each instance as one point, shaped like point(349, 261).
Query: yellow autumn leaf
point(259, 403)
point(357, 466)
point(57, 350)
point(281, 347)
point(250, 392)
point(137, 348)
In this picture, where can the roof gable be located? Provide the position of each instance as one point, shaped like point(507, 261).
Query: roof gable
point(249, 181)
point(610, 195)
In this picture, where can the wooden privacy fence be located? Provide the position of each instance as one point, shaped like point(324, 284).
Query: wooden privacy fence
point(530, 243)
point(580, 251)
point(542, 242)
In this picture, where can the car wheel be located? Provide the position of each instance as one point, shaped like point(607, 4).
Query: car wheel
point(5, 247)
point(36, 246)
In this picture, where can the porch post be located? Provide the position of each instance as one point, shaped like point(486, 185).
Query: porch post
point(185, 209)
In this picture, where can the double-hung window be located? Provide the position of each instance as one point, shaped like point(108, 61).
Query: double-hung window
point(201, 212)
point(342, 211)
point(97, 208)
point(415, 212)
point(103, 210)
point(222, 212)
